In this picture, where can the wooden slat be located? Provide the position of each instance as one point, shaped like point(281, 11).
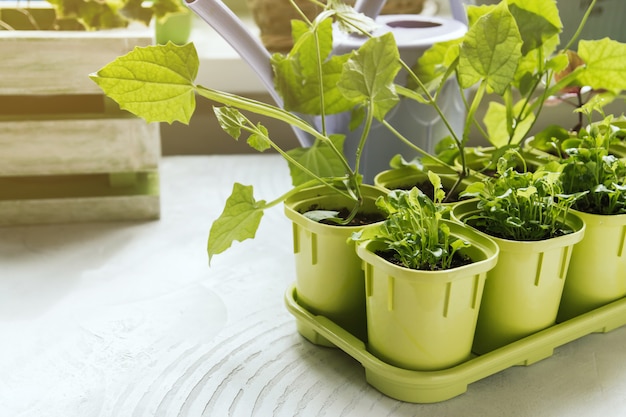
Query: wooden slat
point(79, 210)
point(79, 186)
point(82, 198)
point(67, 154)
point(78, 146)
point(59, 62)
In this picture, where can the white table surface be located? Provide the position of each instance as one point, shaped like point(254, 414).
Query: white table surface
point(127, 319)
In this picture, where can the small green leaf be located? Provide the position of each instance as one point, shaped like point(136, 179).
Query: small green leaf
point(435, 180)
point(239, 220)
point(260, 140)
point(154, 83)
point(319, 159)
point(370, 72)
point(597, 103)
point(320, 215)
point(398, 162)
point(231, 120)
point(491, 50)
point(526, 192)
point(474, 189)
point(349, 19)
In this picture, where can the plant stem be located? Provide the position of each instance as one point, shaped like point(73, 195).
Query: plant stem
point(414, 146)
point(271, 111)
point(364, 135)
point(581, 25)
point(478, 97)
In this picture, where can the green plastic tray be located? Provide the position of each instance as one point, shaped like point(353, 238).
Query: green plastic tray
point(435, 386)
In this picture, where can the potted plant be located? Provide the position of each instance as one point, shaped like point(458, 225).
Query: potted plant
point(509, 57)
point(508, 47)
point(527, 214)
point(518, 61)
point(323, 165)
point(329, 274)
point(596, 276)
point(424, 280)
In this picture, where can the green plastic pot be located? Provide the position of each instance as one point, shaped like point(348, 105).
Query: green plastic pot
point(425, 320)
point(597, 273)
point(618, 149)
point(480, 158)
point(329, 275)
point(407, 177)
point(176, 28)
point(524, 289)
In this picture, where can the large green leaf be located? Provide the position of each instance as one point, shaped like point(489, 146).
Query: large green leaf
point(434, 63)
point(154, 83)
point(319, 159)
point(369, 74)
point(491, 50)
point(308, 39)
point(297, 77)
point(301, 93)
point(476, 12)
point(605, 61)
point(239, 220)
point(499, 131)
point(537, 21)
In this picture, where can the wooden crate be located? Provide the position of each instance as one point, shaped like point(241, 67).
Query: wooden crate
point(68, 154)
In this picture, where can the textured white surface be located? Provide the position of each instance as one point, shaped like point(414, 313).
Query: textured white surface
point(127, 319)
